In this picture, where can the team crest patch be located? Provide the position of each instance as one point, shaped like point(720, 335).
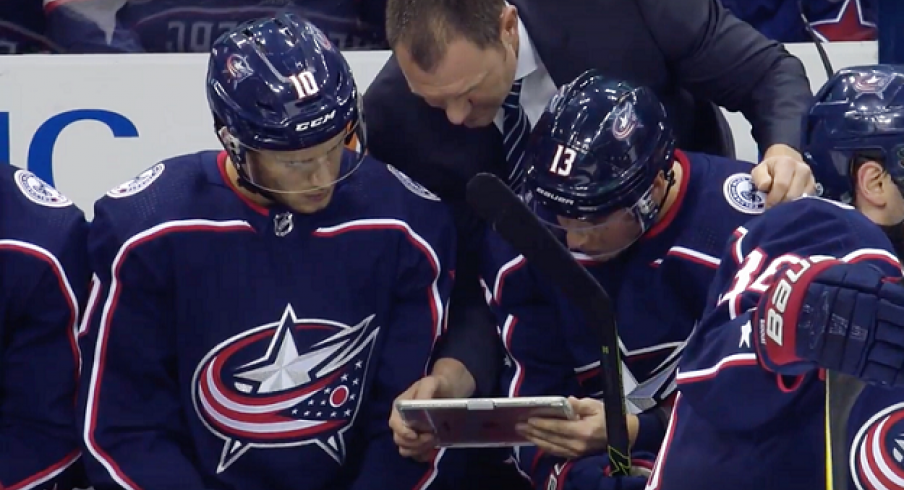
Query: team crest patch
point(741, 194)
point(412, 185)
point(38, 191)
point(877, 453)
point(137, 184)
point(290, 383)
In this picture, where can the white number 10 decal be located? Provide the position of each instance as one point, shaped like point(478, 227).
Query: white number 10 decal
point(305, 84)
point(563, 161)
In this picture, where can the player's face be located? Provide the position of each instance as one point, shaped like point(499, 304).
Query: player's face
point(302, 180)
point(602, 238)
point(469, 83)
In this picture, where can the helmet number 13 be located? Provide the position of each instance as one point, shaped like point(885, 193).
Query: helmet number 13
point(563, 161)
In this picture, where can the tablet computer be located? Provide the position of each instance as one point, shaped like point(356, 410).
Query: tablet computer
point(480, 422)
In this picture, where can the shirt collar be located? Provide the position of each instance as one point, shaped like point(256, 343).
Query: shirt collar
point(528, 61)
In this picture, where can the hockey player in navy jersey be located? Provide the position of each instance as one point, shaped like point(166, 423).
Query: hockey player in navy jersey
point(814, 284)
point(260, 308)
point(648, 221)
point(44, 282)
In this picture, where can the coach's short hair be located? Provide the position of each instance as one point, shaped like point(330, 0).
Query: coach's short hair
point(426, 27)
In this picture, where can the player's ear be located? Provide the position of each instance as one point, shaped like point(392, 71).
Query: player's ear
point(874, 184)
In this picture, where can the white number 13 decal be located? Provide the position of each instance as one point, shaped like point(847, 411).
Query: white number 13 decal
point(563, 161)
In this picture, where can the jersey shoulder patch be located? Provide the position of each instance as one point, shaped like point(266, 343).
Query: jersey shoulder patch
point(741, 194)
point(411, 185)
point(138, 184)
point(38, 191)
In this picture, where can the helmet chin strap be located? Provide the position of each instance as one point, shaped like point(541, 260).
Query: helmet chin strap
point(669, 176)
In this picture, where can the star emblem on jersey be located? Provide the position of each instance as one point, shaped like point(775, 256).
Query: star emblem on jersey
point(289, 383)
point(877, 454)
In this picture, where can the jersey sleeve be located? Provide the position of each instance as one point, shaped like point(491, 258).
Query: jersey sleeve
point(132, 431)
point(417, 315)
point(40, 362)
point(719, 362)
point(538, 360)
point(90, 26)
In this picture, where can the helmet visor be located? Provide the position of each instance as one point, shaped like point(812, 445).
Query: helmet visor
point(601, 237)
point(313, 170)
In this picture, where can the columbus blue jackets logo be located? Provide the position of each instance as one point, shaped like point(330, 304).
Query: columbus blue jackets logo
point(873, 83)
point(138, 184)
point(290, 383)
point(877, 454)
point(742, 194)
point(624, 122)
point(237, 68)
point(38, 191)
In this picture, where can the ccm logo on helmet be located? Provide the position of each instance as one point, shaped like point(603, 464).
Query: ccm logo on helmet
point(316, 123)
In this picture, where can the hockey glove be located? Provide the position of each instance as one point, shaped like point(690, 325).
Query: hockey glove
point(592, 473)
point(834, 315)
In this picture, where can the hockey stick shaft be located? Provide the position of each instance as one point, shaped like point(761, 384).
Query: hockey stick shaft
point(841, 395)
point(495, 202)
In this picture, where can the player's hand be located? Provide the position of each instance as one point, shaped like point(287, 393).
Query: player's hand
point(584, 435)
point(592, 473)
point(783, 175)
point(847, 317)
point(449, 379)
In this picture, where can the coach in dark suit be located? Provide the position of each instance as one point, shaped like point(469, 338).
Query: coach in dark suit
point(469, 77)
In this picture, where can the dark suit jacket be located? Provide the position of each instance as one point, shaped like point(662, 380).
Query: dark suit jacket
point(681, 49)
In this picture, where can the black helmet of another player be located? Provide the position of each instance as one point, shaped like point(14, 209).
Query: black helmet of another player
point(858, 113)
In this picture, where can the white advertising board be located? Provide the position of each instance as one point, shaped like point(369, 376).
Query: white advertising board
point(89, 122)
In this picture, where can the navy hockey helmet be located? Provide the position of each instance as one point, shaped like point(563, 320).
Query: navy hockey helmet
point(596, 151)
point(858, 112)
point(279, 85)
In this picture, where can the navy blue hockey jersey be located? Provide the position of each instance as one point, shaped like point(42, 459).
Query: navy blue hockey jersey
point(659, 288)
point(832, 20)
point(237, 347)
point(191, 26)
point(44, 281)
point(736, 425)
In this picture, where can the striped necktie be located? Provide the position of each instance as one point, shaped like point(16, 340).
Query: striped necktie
point(515, 130)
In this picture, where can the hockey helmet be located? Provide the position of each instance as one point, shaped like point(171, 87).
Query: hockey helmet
point(594, 155)
point(858, 112)
point(278, 86)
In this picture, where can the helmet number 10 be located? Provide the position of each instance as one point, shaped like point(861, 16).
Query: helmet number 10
point(563, 161)
point(304, 84)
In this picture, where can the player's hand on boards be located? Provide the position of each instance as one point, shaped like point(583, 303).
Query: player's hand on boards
point(783, 175)
point(821, 312)
point(449, 379)
point(584, 435)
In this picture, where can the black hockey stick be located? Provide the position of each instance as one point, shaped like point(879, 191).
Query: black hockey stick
point(513, 221)
point(842, 392)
